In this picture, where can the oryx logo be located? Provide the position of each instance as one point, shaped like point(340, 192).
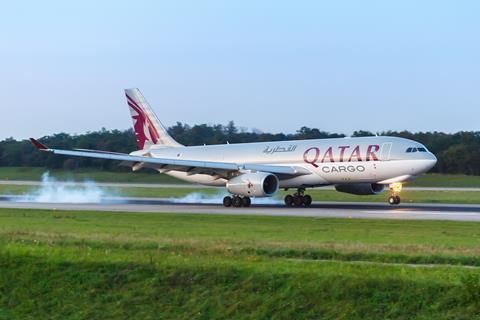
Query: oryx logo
point(143, 127)
point(249, 184)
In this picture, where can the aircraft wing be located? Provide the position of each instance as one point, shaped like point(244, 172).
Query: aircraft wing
point(189, 166)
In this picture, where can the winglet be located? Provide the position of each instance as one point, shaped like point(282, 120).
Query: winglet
point(39, 145)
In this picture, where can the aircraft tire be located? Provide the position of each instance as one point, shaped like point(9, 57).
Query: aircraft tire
point(307, 200)
point(392, 200)
point(227, 201)
point(237, 202)
point(298, 201)
point(397, 200)
point(246, 201)
point(288, 200)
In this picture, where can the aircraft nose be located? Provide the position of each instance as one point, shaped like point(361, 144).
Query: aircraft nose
point(432, 160)
point(424, 164)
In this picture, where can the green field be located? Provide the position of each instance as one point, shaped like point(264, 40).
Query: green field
point(447, 180)
point(27, 173)
point(83, 265)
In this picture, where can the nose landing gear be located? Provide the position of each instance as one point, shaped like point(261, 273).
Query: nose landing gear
point(298, 199)
point(393, 200)
point(395, 189)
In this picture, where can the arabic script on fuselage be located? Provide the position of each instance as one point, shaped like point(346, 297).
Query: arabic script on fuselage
point(277, 149)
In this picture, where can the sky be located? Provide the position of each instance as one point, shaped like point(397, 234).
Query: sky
point(273, 66)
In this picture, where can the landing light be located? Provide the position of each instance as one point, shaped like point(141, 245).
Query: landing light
point(396, 187)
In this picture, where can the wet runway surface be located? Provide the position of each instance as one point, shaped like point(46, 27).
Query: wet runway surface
point(454, 212)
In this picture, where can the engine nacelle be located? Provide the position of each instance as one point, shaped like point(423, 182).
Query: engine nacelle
point(255, 184)
point(361, 188)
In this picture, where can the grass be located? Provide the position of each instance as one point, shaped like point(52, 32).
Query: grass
point(144, 176)
point(77, 265)
point(408, 196)
point(447, 180)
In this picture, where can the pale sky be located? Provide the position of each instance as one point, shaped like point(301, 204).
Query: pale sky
point(271, 65)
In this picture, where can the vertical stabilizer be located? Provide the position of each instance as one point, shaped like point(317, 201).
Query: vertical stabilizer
point(148, 129)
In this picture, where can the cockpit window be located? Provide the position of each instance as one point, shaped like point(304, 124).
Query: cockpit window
point(414, 149)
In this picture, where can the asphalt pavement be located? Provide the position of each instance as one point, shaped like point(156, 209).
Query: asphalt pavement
point(275, 208)
point(196, 186)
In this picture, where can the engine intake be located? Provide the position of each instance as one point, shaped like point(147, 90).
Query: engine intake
point(361, 188)
point(255, 184)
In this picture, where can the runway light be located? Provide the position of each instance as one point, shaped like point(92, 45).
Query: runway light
point(396, 187)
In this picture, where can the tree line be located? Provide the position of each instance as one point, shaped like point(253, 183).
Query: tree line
point(456, 152)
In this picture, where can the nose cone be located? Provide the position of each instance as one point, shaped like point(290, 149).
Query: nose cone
point(424, 164)
point(428, 163)
point(433, 160)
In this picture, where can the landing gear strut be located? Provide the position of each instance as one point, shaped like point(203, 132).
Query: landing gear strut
point(237, 201)
point(298, 199)
point(395, 189)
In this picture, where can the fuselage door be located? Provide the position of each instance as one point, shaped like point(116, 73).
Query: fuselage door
point(385, 154)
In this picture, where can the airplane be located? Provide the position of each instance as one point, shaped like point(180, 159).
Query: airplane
point(355, 165)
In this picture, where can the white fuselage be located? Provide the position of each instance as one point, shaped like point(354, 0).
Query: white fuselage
point(382, 160)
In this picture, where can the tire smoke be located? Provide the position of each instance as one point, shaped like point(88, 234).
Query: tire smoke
point(53, 191)
point(217, 198)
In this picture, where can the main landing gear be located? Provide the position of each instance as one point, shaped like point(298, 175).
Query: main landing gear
point(395, 189)
point(237, 201)
point(298, 199)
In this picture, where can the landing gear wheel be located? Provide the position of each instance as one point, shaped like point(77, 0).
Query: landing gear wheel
point(307, 200)
point(246, 202)
point(397, 199)
point(237, 202)
point(395, 189)
point(288, 200)
point(227, 201)
point(298, 201)
point(394, 200)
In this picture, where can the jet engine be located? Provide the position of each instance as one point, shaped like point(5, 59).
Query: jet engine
point(254, 184)
point(361, 188)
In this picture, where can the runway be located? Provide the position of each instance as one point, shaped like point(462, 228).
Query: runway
point(196, 186)
point(455, 212)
